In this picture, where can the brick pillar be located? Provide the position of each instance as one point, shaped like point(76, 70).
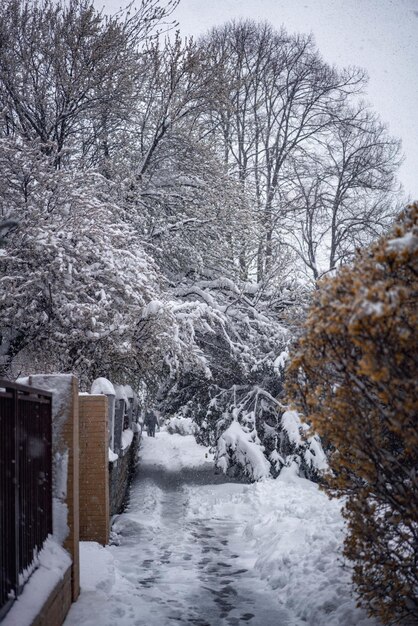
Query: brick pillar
point(94, 469)
point(65, 455)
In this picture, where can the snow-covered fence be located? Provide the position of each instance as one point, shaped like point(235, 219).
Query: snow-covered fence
point(122, 410)
point(123, 438)
point(89, 484)
point(25, 484)
point(124, 413)
point(118, 426)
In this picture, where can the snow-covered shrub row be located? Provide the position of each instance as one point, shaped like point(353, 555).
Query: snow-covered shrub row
point(239, 451)
point(181, 426)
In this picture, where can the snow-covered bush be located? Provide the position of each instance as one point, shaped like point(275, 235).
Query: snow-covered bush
point(239, 453)
point(242, 351)
point(354, 376)
point(293, 445)
point(285, 444)
point(181, 426)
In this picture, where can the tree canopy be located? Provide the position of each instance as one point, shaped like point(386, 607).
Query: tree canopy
point(169, 199)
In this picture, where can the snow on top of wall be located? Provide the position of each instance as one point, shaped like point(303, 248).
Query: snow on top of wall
point(24, 380)
point(102, 386)
point(53, 561)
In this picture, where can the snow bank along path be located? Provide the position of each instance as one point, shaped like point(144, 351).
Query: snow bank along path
point(193, 549)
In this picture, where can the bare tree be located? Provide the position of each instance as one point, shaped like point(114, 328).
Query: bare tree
point(343, 195)
point(280, 101)
point(60, 61)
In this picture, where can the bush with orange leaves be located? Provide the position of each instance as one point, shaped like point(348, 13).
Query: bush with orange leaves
point(355, 378)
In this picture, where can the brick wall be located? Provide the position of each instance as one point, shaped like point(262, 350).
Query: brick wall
point(94, 473)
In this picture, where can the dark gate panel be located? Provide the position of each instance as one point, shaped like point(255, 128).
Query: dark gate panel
point(8, 563)
point(25, 484)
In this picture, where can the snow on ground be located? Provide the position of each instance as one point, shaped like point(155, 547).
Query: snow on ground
point(194, 549)
point(296, 534)
point(173, 453)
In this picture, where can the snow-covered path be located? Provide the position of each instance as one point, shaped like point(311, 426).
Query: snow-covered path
point(187, 570)
point(192, 549)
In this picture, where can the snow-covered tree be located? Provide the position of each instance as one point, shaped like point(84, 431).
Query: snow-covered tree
point(343, 195)
point(74, 278)
point(156, 185)
point(240, 332)
point(67, 71)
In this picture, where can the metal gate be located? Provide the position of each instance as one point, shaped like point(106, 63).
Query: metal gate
point(25, 484)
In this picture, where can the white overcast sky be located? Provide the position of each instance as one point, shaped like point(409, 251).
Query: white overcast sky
point(379, 35)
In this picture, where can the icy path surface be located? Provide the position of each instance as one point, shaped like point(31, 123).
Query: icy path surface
point(192, 549)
